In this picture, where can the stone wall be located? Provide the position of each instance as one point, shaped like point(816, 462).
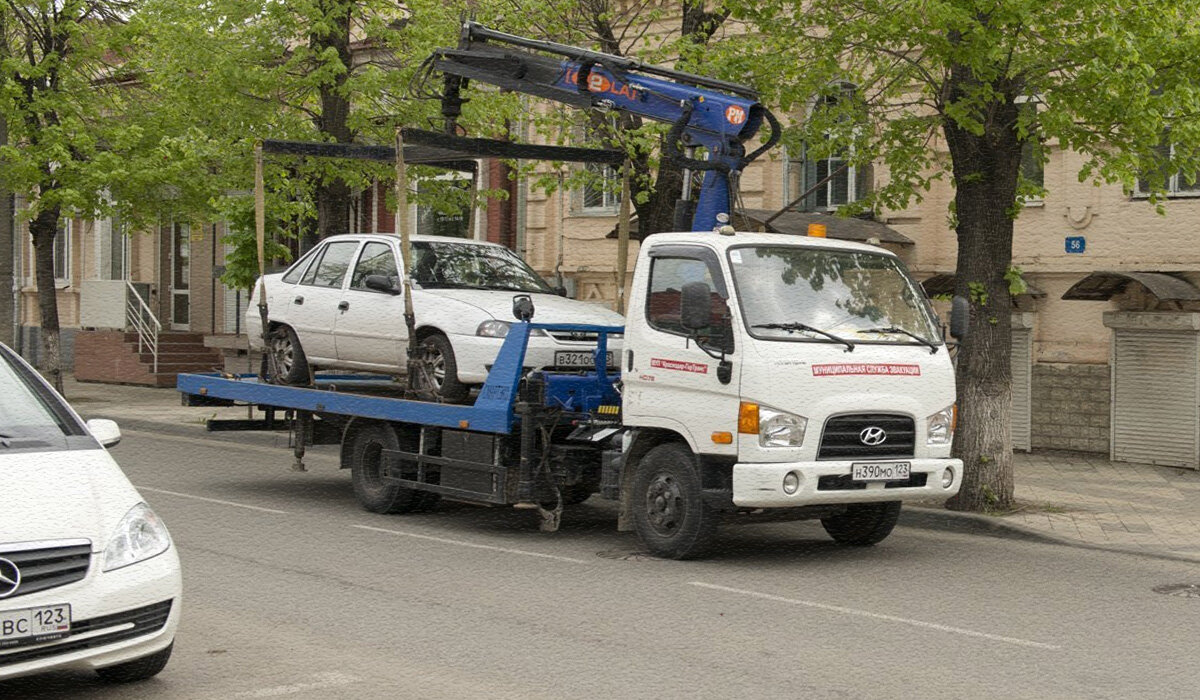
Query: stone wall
point(1071, 407)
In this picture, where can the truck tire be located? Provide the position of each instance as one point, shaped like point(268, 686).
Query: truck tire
point(863, 524)
point(291, 365)
point(444, 369)
point(137, 670)
point(669, 513)
point(366, 473)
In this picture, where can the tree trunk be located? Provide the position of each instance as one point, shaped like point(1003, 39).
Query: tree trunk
point(43, 229)
point(8, 311)
point(985, 169)
point(333, 195)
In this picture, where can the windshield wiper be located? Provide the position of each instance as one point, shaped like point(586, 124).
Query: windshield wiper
point(893, 329)
point(793, 327)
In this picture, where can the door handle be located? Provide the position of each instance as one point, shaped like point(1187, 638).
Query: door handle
point(343, 306)
point(299, 301)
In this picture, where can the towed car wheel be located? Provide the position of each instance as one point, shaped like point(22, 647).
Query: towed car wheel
point(291, 366)
point(442, 369)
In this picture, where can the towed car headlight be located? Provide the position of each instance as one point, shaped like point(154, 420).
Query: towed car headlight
point(139, 536)
point(940, 426)
point(780, 429)
point(499, 329)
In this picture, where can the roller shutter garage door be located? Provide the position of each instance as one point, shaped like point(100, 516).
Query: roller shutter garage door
point(1155, 394)
point(1022, 378)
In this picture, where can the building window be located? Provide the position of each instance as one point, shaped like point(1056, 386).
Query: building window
point(451, 216)
point(62, 253)
point(834, 181)
point(602, 193)
point(113, 249)
point(1176, 183)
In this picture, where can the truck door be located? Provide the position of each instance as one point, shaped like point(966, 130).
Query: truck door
point(671, 381)
point(369, 325)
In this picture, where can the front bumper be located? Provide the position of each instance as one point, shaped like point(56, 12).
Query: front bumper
point(117, 616)
point(760, 485)
point(474, 355)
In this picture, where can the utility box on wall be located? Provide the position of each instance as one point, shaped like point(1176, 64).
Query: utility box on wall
point(1155, 387)
point(102, 304)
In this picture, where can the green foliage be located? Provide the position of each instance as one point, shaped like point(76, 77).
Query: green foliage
point(1016, 281)
point(977, 293)
point(241, 263)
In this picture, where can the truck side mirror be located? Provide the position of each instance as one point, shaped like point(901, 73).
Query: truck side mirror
point(696, 306)
point(381, 283)
point(960, 317)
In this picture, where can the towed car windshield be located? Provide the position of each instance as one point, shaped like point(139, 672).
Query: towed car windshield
point(452, 265)
point(28, 413)
point(829, 296)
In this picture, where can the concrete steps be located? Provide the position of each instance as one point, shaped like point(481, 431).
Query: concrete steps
point(113, 357)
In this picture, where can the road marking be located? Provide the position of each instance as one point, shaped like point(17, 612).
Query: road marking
point(879, 616)
point(320, 680)
point(473, 545)
point(211, 500)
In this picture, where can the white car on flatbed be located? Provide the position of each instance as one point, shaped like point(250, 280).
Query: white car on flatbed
point(340, 307)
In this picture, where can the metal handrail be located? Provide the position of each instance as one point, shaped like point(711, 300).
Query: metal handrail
point(142, 320)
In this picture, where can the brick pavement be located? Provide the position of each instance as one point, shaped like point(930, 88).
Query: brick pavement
point(1071, 498)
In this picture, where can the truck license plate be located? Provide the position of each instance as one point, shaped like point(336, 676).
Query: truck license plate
point(578, 358)
point(879, 471)
point(34, 624)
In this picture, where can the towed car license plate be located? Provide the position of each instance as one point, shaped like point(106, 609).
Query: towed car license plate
point(879, 471)
point(578, 358)
point(30, 625)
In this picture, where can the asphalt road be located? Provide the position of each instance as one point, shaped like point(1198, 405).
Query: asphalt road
point(292, 591)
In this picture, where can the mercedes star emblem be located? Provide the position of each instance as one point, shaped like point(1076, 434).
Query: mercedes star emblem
point(10, 578)
point(872, 436)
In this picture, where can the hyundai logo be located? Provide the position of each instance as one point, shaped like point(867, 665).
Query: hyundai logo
point(10, 578)
point(873, 435)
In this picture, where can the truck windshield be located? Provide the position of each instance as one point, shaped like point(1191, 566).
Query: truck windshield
point(822, 295)
point(469, 266)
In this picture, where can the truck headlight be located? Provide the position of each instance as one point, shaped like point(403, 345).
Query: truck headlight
point(940, 430)
point(780, 429)
point(139, 536)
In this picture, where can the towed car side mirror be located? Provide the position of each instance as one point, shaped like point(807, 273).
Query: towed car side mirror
point(381, 283)
point(106, 432)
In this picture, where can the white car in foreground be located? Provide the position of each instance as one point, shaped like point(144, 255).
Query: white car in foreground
point(89, 577)
point(340, 306)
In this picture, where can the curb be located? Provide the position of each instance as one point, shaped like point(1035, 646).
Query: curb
point(926, 518)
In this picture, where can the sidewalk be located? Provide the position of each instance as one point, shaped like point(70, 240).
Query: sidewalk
point(1071, 498)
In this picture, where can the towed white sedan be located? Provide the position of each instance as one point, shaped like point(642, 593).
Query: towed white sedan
point(339, 306)
point(89, 577)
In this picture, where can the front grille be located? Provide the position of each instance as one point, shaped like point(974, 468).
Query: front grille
point(843, 482)
point(841, 437)
point(574, 336)
point(145, 621)
point(50, 567)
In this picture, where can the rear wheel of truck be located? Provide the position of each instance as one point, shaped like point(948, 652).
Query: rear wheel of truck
point(375, 493)
point(863, 524)
point(669, 512)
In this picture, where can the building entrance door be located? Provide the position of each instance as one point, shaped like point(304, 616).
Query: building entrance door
point(180, 276)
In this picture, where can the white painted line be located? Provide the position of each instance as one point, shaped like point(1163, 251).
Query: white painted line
point(473, 545)
point(879, 616)
point(330, 679)
point(211, 500)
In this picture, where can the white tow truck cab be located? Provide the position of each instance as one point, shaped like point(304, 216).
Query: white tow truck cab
point(770, 371)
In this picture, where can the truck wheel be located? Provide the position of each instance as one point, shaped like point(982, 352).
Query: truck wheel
point(669, 512)
point(291, 366)
point(443, 369)
point(138, 669)
point(374, 493)
point(863, 524)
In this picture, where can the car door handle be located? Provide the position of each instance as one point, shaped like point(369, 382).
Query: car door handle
point(299, 301)
point(343, 306)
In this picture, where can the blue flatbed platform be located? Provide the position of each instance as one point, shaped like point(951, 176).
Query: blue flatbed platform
point(492, 412)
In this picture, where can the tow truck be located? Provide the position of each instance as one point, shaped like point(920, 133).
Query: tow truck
point(760, 374)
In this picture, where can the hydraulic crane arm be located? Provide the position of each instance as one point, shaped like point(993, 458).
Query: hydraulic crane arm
point(716, 115)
